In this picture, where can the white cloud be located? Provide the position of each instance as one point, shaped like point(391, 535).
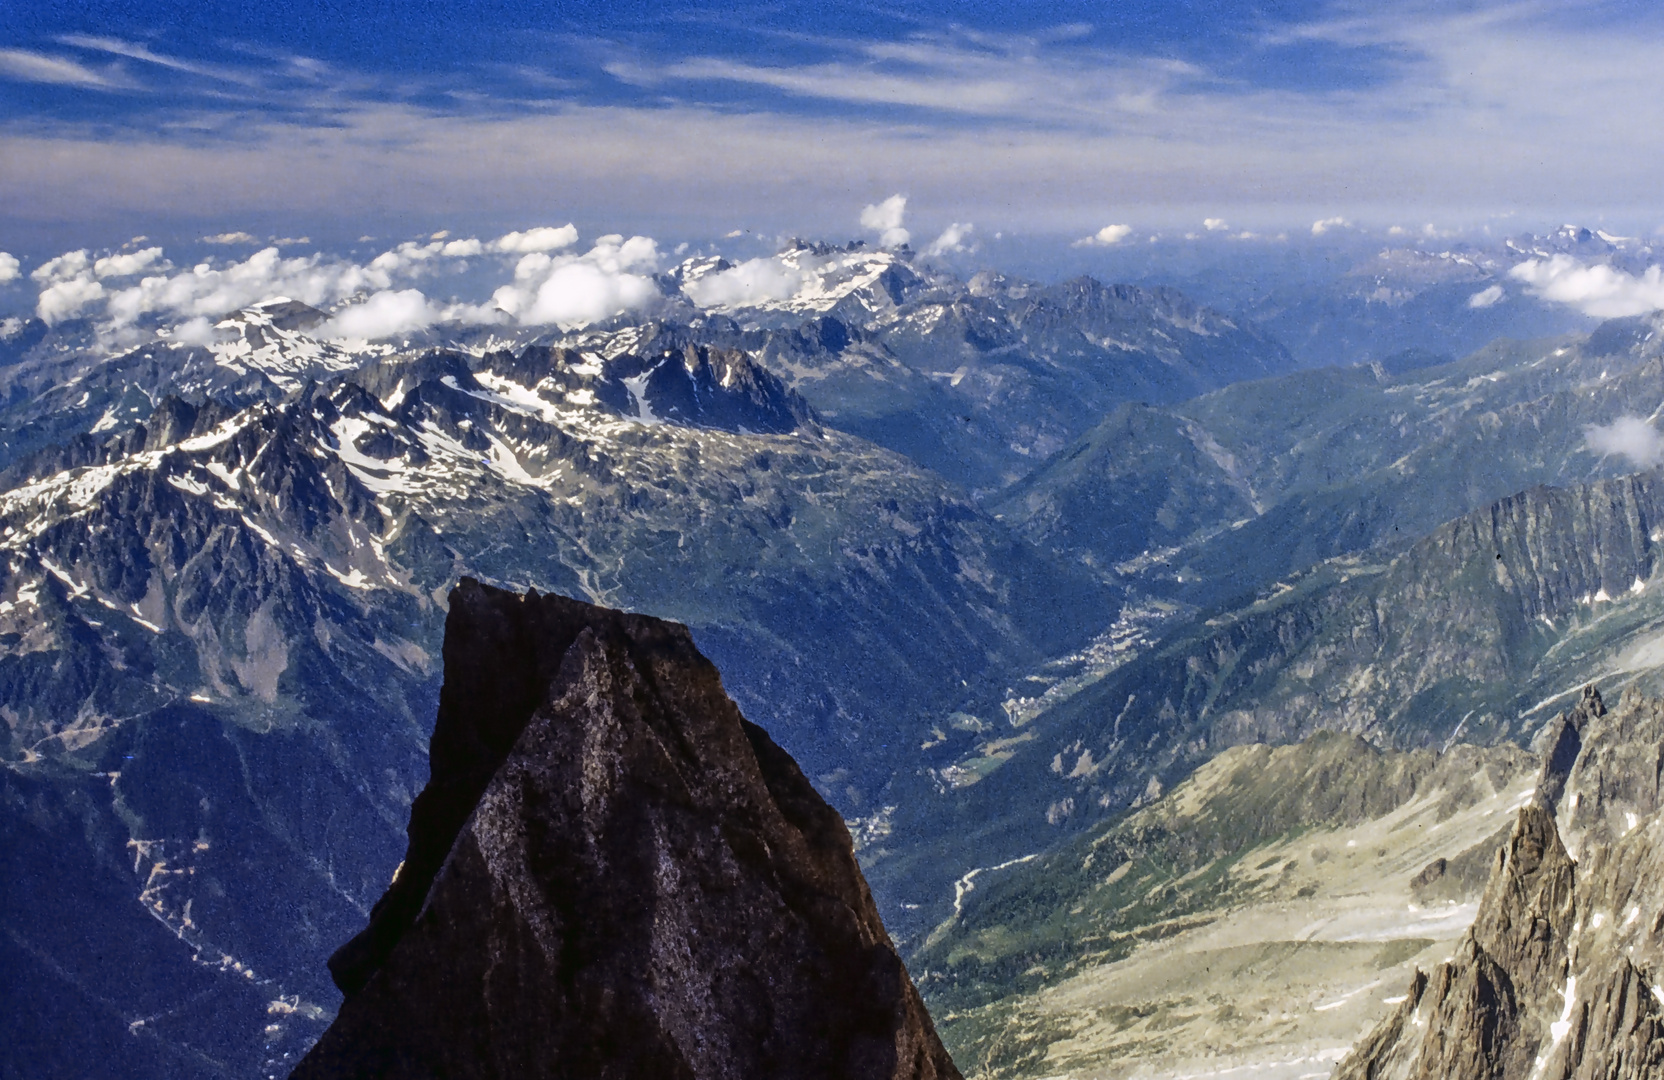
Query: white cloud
point(1108, 236)
point(9, 268)
point(67, 299)
point(198, 331)
point(410, 256)
point(213, 291)
point(1489, 297)
point(125, 264)
point(1460, 125)
point(1630, 436)
point(1324, 225)
point(884, 218)
point(230, 238)
point(1214, 224)
point(952, 239)
point(25, 66)
point(543, 238)
point(69, 265)
point(752, 282)
point(1596, 290)
point(383, 315)
point(574, 290)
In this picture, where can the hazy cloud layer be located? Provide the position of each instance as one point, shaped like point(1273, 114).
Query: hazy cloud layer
point(1469, 119)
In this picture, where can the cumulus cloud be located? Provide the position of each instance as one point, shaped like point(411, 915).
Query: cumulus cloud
point(1485, 298)
point(1596, 290)
point(751, 282)
point(230, 238)
point(70, 264)
point(127, 263)
point(953, 239)
point(543, 238)
point(1214, 224)
point(384, 314)
point(884, 218)
point(9, 268)
point(1326, 224)
point(198, 331)
point(574, 290)
point(410, 255)
point(1630, 436)
point(67, 299)
point(1108, 236)
point(210, 290)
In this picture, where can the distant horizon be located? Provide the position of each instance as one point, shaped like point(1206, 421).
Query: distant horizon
point(679, 120)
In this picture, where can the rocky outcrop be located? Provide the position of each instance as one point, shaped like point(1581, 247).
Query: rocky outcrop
point(613, 874)
point(1557, 980)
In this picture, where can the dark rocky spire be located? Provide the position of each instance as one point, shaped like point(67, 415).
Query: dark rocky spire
point(613, 874)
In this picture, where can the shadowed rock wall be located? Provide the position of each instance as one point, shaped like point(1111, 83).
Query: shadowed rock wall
point(613, 874)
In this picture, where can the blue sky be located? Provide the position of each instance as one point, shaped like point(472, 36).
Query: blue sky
point(688, 121)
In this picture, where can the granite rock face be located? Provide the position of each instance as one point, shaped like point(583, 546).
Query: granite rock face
point(613, 874)
point(1558, 978)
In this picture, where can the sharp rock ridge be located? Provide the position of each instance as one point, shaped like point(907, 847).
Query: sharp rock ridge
point(612, 873)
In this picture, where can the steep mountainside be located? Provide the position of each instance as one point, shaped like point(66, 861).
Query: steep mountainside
point(979, 380)
point(612, 874)
point(223, 614)
point(1253, 918)
point(1476, 632)
point(1556, 978)
point(1265, 478)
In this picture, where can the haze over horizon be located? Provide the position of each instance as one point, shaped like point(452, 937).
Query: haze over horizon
point(688, 122)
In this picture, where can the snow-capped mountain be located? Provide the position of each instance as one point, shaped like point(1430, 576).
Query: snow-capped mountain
point(221, 586)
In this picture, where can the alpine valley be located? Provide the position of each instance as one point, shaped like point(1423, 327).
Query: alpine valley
point(1194, 671)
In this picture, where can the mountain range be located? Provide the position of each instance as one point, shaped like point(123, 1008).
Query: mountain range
point(1003, 565)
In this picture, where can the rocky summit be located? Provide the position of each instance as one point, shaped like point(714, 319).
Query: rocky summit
point(611, 873)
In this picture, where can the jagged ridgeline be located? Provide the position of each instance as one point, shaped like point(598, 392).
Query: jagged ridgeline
point(1481, 912)
point(223, 593)
point(223, 613)
point(226, 570)
point(611, 873)
point(1558, 977)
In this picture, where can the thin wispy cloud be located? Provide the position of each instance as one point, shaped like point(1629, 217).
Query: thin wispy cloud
point(1460, 126)
point(137, 51)
point(23, 65)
